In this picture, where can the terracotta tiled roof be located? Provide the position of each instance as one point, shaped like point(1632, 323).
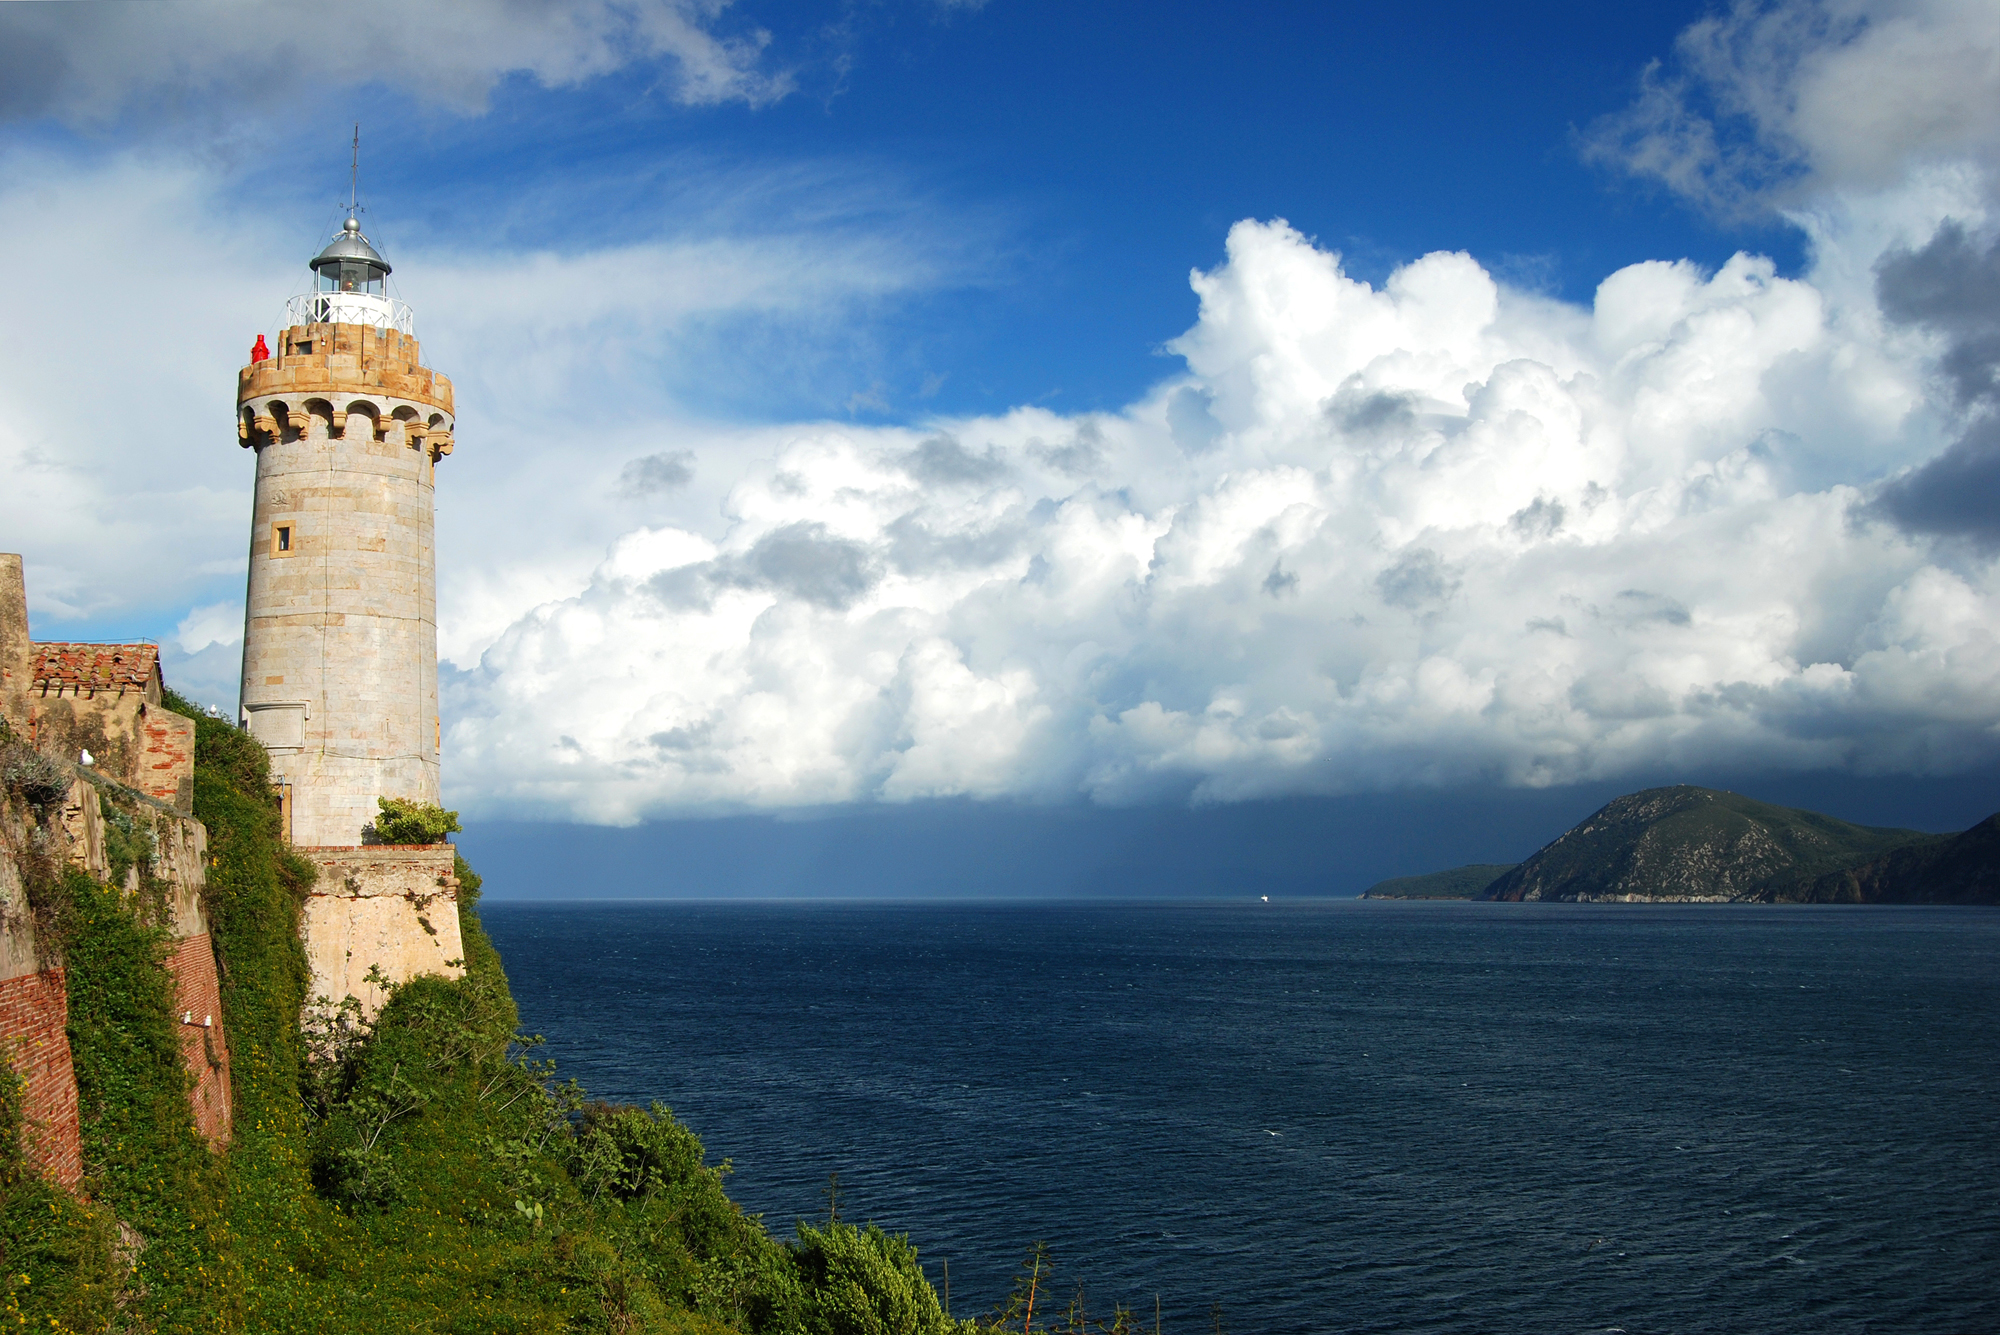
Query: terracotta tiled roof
point(94, 667)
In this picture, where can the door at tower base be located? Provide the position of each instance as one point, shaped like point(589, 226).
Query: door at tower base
point(392, 907)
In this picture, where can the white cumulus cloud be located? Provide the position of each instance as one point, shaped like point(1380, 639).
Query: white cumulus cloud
point(1435, 531)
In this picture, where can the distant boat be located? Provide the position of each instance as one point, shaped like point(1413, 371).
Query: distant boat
point(1265, 898)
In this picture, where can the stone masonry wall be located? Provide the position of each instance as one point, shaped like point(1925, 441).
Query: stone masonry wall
point(34, 1001)
point(340, 627)
point(388, 906)
point(157, 798)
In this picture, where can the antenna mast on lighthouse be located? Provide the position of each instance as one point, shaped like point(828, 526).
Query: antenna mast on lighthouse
point(354, 175)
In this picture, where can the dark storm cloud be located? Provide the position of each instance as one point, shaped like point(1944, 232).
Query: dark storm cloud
point(1639, 606)
point(31, 69)
point(916, 548)
point(1952, 285)
point(801, 560)
point(1957, 493)
point(1362, 412)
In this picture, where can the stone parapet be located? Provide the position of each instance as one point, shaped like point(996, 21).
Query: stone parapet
point(332, 359)
point(392, 907)
point(166, 761)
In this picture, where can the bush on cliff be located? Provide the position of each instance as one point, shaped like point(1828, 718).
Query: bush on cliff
point(403, 821)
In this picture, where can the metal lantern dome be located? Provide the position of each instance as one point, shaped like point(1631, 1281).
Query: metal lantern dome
point(350, 264)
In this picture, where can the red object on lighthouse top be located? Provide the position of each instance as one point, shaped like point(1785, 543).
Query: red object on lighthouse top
point(258, 351)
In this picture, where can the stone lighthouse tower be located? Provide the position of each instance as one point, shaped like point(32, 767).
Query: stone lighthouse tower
point(340, 631)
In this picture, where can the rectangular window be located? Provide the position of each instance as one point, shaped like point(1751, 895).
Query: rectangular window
point(281, 539)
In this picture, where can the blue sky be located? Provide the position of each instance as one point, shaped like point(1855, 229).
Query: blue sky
point(1043, 408)
point(1064, 167)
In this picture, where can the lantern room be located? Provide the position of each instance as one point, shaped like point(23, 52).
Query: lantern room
point(350, 264)
point(350, 286)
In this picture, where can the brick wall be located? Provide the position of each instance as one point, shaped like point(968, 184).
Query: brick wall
point(166, 759)
point(34, 1014)
point(204, 1049)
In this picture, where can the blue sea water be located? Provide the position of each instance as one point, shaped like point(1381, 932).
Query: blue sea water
point(1335, 1116)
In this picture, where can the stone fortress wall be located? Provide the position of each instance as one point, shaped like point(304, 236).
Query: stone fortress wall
point(61, 699)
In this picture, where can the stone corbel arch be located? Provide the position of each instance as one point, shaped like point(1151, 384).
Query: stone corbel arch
point(325, 412)
point(369, 409)
point(282, 417)
point(414, 431)
point(438, 433)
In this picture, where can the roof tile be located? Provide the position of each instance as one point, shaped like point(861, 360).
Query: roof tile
point(94, 667)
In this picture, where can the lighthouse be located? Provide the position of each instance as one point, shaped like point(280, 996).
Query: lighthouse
point(348, 427)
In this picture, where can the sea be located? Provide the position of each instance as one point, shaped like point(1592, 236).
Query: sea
point(1332, 1116)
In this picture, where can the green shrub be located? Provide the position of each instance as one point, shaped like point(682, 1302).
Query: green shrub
point(405, 822)
point(862, 1281)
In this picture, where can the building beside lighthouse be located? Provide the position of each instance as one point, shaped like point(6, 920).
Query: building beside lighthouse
point(340, 626)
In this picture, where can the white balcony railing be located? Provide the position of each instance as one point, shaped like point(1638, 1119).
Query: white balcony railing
point(350, 308)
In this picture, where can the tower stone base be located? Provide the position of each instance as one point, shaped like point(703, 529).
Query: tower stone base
point(392, 907)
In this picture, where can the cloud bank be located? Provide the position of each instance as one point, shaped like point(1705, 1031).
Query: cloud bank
point(1440, 531)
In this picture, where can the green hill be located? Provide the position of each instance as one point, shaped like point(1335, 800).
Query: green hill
point(1459, 883)
point(1687, 843)
point(1956, 869)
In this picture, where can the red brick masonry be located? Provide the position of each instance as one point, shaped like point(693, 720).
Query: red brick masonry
point(198, 1015)
point(166, 763)
point(34, 1015)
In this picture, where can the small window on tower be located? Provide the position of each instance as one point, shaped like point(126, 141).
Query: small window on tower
point(281, 539)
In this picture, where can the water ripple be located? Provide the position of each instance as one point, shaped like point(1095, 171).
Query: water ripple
point(1486, 1117)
